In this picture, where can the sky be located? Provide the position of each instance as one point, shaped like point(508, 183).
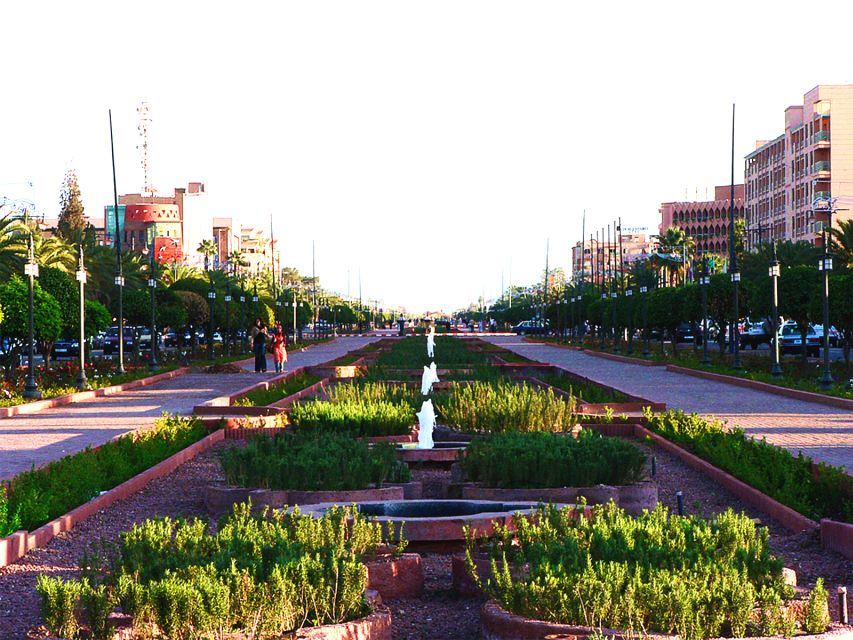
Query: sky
point(432, 147)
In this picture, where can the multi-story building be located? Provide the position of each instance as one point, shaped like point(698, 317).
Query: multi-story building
point(812, 160)
point(259, 250)
point(635, 246)
point(227, 236)
point(707, 222)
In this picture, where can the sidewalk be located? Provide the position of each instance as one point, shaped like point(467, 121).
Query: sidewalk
point(823, 433)
point(53, 433)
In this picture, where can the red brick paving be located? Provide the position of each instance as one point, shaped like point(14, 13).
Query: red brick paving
point(821, 432)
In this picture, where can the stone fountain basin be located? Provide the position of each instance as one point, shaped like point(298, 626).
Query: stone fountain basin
point(438, 521)
point(442, 452)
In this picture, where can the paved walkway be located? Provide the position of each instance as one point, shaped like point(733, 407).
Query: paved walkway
point(50, 434)
point(821, 432)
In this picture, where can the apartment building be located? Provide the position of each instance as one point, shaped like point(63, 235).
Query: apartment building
point(635, 246)
point(707, 222)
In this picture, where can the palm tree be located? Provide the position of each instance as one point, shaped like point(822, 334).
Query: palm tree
point(208, 249)
point(841, 242)
point(237, 261)
point(675, 241)
point(13, 246)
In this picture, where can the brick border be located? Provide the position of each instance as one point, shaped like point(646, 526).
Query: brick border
point(396, 577)
point(18, 544)
point(837, 536)
point(81, 396)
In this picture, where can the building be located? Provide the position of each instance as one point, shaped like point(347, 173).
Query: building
point(173, 225)
point(635, 246)
point(812, 160)
point(260, 252)
point(227, 236)
point(706, 222)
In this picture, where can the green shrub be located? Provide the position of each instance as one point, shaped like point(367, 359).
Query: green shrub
point(503, 406)
point(657, 572)
point(266, 575)
point(450, 353)
point(309, 461)
point(37, 496)
point(357, 417)
point(276, 392)
point(370, 391)
point(770, 469)
point(586, 391)
point(816, 610)
point(536, 459)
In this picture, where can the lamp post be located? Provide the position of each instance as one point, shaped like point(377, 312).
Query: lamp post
point(825, 265)
point(735, 333)
point(603, 319)
point(82, 382)
point(31, 270)
point(152, 284)
point(616, 336)
point(255, 300)
point(243, 332)
point(704, 281)
point(211, 298)
point(774, 273)
point(228, 318)
point(572, 319)
point(119, 279)
point(644, 291)
point(629, 301)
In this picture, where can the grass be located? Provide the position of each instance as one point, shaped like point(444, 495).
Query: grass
point(276, 392)
point(312, 461)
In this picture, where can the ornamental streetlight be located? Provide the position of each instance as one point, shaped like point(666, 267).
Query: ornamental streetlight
point(119, 279)
point(82, 382)
point(644, 291)
point(603, 320)
point(228, 336)
point(704, 281)
point(774, 273)
point(629, 301)
point(255, 300)
point(572, 319)
point(736, 365)
point(243, 332)
point(152, 285)
point(31, 270)
point(211, 298)
point(616, 336)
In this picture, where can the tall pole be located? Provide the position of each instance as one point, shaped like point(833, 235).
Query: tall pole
point(644, 291)
point(776, 371)
point(244, 333)
point(228, 334)
point(735, 275)
point(211, 298)
point(545, 291)
point(119, 280)
point(614, 290)
point(31, 390)
point(705, 281)
point(583, 272)
point(314, 314)
point(826, 381)
point(152, 284)
point(82, 381)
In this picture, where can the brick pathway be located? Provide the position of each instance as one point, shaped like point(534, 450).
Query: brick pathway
point(821, 432)
point(47, 435)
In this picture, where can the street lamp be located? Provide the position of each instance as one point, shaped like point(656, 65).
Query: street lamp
point(644, 291)
point(629, 293)
point(616, 336)
point(243, 333)
point(736, 365)
point(211, 297)
point(228, 336)
point(825, 265)
point(774, 273)
point(603, 320)
point(152, 284)
point(255, 300)
point(82, 382)
point(31, 270)
point(704, 281)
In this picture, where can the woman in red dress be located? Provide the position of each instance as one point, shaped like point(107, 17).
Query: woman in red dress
point(279, 347)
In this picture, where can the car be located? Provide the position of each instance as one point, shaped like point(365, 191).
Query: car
point(755, 334)
point(684, 333)
point(530, 327)
point(790, 339)
point(65, 349)
point(834, 335)
point(111, 339)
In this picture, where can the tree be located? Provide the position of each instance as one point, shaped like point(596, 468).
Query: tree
point(841, 309)
point(64, 290)
point(72, 223)
point(841, 243)
point(798, 287)
point(14, 300)
point(208, 249)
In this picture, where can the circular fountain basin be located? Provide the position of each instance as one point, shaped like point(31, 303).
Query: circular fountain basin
point(442, 452)
point(438, 521)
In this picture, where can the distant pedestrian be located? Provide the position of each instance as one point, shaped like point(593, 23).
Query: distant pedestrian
point(279, 347)
point(259, 336)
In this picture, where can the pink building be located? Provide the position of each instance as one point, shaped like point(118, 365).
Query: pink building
point(634, 246)
point(811, 160)
point(706, 222)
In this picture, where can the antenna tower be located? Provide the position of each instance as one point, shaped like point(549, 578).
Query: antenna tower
point(144, 125)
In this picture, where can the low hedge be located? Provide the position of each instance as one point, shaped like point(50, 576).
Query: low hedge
point(276, 392)
point(38, 496)
point(816, 490)
point(265, 575)
point(356, 417)
point(312, 461)
point(658, 572)
point(374, 391)
point(586, 391)
point(539, 460)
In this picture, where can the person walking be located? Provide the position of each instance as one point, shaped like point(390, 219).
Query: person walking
point(279, 347)
point(259, 345)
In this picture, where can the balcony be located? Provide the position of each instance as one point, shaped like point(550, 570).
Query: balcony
point(821, 136)
point(822, 195)
point(822, 165)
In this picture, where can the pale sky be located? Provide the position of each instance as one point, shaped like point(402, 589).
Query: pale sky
point(427, 144)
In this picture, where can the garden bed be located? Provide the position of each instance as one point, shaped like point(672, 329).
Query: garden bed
point(396, 577)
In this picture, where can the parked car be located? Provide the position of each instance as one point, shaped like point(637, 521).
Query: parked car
point(756, 333)
point(684, 333)
point(65, 349)
point(111, 339)
point(834, 335)
point(530, 327)
point(790, 340)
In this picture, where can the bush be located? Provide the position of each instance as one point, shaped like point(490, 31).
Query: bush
point(770, 469)
point(816, 610)
point(268, 574)
point(276, 392)
point(40, 495)
point(586, 391)
point(411, 353)
point(535, 460)
point(658, 572)
point(504, 406)
point(369, 391)
point(356, 417)
point(310, 461)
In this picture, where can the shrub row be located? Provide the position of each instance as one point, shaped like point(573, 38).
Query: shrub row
point(356, 417)
point(536, 460)
point(504, 406)
point(312, 461)
point(658, 572)
point(261, 575)
point(411, 353)
point(586, 391)
point(37, 496)
point(276, 392)
point(814, 490)
point(374, 391)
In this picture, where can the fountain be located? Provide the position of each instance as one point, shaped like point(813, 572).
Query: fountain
point(431, 342)
point(426, 420)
